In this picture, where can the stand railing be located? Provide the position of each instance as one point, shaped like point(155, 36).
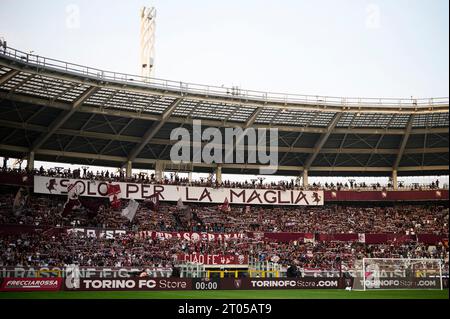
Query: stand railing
point(218, 91)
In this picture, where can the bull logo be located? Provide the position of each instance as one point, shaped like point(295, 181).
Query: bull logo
point(51, 185)
point(316, 197)
point(241, 259)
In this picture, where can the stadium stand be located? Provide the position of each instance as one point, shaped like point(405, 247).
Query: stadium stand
point(56, 112)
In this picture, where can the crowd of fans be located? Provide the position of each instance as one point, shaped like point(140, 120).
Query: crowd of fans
point(334, 219)
point(28, 250)
point(130, 250)
point(46, 210)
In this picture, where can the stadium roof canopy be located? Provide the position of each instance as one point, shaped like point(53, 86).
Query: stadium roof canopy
point(71, 113)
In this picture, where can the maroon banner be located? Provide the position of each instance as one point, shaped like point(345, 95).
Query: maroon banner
point(431, 239)
point(209, 259)
point(384, 238)
point(198, 236)
point(31, 284)
point(379, 195)
point(16, 229)
point(337, 237)
point(16, 179)
point(191, 236)
point(287, 237)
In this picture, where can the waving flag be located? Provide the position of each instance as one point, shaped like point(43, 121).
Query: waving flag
point(20, 200)
point(130, 210)
point(225, 206)
point(72, 202)
point(152, 202)
point(180, 205)
point(114, 194)
point(92, 206)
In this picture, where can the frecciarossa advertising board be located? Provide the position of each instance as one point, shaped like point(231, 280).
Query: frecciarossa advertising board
point(58, 186)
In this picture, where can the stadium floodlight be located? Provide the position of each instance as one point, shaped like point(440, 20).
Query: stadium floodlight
point(398, 273)
point(148, 16)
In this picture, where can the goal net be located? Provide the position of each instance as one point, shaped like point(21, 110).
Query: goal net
point(397, 273)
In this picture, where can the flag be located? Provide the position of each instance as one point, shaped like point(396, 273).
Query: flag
point(309, 238)
point(114, 195)
point(152, 202)
point(130, 210)
point(92, 206)
point(72, 199)
point(20, 200)
point(362, 238)
point(225, 206)
point(180, 204)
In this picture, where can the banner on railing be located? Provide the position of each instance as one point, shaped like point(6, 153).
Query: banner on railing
point(210, 259)
point(139, 191)
point(385, 195)
point(96, 232)
point(191, 236)
point(84, 272)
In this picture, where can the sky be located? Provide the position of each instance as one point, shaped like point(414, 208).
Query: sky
point(358, 48)
point(353, 48)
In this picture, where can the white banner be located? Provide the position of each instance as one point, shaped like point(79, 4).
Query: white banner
point(58, 186)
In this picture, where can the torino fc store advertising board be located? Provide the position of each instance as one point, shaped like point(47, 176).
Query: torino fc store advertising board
point(58, 186)
point(136, 284)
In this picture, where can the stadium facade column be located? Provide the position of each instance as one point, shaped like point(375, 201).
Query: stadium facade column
point(158, 171)
point(219, 174)
point(394, 179)
point(30, 161)
point(128, 169)
point(305, 178)
point(190, 177)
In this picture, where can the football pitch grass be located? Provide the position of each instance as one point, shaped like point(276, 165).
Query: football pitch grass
point(233, 294)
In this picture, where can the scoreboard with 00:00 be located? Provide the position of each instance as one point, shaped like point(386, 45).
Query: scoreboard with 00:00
point(205, 284)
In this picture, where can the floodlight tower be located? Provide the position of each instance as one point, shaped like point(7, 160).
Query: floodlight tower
point(148, 16)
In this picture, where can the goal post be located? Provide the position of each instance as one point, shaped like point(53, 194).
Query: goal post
point(398, 273)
